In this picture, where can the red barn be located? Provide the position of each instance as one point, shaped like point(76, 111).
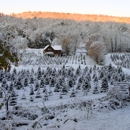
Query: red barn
point(52, 50)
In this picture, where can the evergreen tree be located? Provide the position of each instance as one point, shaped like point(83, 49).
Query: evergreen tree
point(80, 80)
point(72, 93)
point(6, 86)
point(31, 99)
point(86, 69)
point(57, 87)
point(44, 90)
point(45, 96)
point(39, 73)
point(31, 91)
point(77, 73)
point(18, 84)
point(94, 68)
point(4, 82)
point(95, 91)
point(42, 83)
point(95, 79)
point(36, 86)
point(64, 90)
point(46, 81)
point(110, 68)
point(101, 75)
point(32, 71)
point(25, 82)
point(86, 85)
point(70, 83)
point(31, 80)
point(104, 86)
point(78, 86)
point(52, 82)
point(119, 69)
point(13, 99)
point(10, 88)
point(38, 95)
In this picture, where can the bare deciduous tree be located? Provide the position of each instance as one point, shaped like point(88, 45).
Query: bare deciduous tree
point(92, 38)
point(97, 51)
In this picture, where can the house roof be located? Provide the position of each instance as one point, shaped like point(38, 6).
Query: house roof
point(46, 47)
point(81, 50)
point(57, 47)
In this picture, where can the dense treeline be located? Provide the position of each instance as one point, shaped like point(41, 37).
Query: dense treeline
point(39, 32)
point(77, 17)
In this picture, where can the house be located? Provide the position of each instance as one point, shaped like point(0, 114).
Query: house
point(81, 51)
point(52, 50)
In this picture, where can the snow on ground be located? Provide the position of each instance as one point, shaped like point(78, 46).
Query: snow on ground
point(111, 120)
point(108, 61)
point(98, 120)
point(35, 51)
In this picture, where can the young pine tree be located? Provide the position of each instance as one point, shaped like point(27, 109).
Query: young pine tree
point(104, 85)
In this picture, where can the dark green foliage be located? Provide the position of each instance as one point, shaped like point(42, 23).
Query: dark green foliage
point(72, 93)
point(18, 84)
point(13, 99)
point(6, 56)
point(39, 74)
point(86, 85)
point(31, 80)
point(36, 86)
point(95, 91)
point(31, 99)
point(104, 87)
point(57, 88)
point(42, 83)
point(38, 95)
point(25, 82)
point(31, 91)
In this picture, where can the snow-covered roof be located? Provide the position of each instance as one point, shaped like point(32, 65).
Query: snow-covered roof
point(46, 47)
point(57, 47)
point(81, 50)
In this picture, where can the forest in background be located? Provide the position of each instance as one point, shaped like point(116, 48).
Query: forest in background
point(34, 31)
point(73, 16)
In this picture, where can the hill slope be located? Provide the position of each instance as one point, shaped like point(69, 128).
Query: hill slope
point(77, 17)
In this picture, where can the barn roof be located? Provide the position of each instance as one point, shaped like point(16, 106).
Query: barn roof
point(81, 50)
point(46, 47)
point(57, 47)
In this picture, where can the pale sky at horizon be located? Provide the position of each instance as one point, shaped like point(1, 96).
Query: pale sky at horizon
point(105, 7)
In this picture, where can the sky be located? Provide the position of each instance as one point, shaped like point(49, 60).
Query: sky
point(105, 7)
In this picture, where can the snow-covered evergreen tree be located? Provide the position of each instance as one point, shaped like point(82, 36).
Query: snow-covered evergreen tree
point(96, 91)
point(31, 90)
point(13, 98)
point(104, 86)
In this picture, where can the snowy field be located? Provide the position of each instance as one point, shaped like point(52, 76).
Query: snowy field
point(59, 93)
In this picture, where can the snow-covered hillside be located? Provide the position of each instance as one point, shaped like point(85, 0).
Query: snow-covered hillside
point(59, 93)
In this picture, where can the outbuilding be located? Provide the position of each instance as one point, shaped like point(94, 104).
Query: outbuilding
point(52, 50)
